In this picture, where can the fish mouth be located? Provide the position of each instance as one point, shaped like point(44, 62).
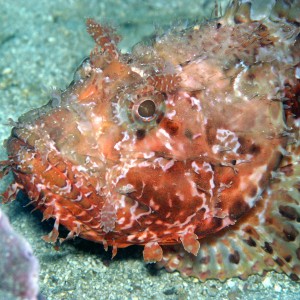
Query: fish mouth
point(24, 159)
point(15, 145)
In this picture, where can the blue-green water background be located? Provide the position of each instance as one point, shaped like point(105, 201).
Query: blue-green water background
point(41, 44)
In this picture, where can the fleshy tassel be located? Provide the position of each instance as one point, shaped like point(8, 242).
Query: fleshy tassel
point(104, 37)
point(152, 252)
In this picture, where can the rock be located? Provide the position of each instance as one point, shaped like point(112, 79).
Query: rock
point(19, 268)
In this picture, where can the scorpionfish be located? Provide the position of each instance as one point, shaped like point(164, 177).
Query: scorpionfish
point(188, 145)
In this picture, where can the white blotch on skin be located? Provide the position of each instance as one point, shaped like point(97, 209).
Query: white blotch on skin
point(171, 114)
point(164, 163)
point(148, 155)
point(228, 141)
point(195, 167)
point(297, 72)
point(238, 81)
point(161, 132)
point(196, 102)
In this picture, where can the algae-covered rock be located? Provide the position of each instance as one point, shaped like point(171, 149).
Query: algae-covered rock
point(19, 268)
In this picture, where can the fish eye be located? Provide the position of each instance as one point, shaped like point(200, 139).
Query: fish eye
point(141, 111)
point(146, 110)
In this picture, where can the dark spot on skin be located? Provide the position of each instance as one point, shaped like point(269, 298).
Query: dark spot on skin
point(250, 242)
point(288, 258)
point(159, 118)
point(219, 204)
point(298, 253)
point(213, 225)
point(250, 230)
point(140, 134)
point(253, 191)
point(287, 84)
point(264, 34)
point(204, 260)
point(243, 142)
point(233, 162)
point(267, 248)
point(211, 132)
point(251, 76)
point(188, 134)
point(254, 149)
point(288, 170)
point(185, 63)
point(290, 233)
point(247, 146)
point(170, 126)
point(288, 212)
point(297, 187)
point(239, 208)
point(294, 277)
point(234, 258)
point(217, 222)
point(279, 261)
point(269, 221)
point(238, 19)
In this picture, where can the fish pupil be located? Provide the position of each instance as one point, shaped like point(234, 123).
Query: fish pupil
point(147, 109)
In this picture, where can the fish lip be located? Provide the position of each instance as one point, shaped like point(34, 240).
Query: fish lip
point(15, 141)
point(16, 135)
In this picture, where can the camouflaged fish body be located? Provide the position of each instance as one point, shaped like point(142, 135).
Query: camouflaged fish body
point(188, 146)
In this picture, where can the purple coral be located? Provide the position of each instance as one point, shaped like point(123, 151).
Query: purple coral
point(18, 267)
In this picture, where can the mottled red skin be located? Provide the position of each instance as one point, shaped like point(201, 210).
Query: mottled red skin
point(178, 174)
